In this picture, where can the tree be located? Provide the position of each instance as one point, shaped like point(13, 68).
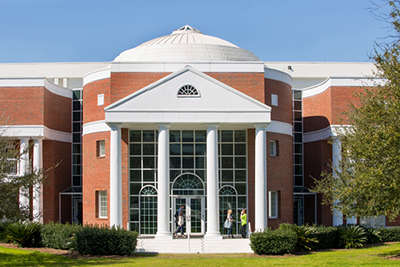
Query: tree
point(367, 181)
point(11, 183)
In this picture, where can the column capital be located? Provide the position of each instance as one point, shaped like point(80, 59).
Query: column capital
point(115, 125)
point(212, 125)
point(261, 125)
point(164, 125)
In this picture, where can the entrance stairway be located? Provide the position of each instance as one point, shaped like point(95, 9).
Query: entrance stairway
point(195, 245)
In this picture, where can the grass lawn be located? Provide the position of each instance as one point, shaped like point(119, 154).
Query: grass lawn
point(375, 256)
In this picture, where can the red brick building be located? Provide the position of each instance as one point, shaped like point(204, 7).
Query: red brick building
point(184, 119)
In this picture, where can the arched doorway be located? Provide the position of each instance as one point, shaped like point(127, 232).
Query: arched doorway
point(188, 191)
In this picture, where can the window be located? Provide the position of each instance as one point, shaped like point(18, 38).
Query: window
point(274, 100)
point(274, 148)
point(101, 148)
point(273, 204)
point(100, 100)
point(375, 222)
point(188, 90)
point(101, 204)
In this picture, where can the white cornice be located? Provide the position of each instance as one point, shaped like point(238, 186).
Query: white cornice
point(337, 81)
point(36, 82)
point(326, 133)
point(277, 75)
point(280, 127)
point(97, 75)
point(95, 127)
point(252, 66)
point(35, 131)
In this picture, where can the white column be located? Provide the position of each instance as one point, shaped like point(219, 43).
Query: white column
point(337, 216)
point(65, 82)
point(261, 178)
point(115, 176)
point(23, 169)
point(212, 183)
point(163, 183)
point(37, 188)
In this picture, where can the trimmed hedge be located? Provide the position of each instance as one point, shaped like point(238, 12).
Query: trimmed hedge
point(277, 242)
point(57, 235)
point(95, 240)
point(328, 237)
point(390, 234)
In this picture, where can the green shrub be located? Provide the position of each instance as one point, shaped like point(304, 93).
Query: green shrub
point(95, 240)
point(373, 235)
point(328, 237)
point(353, 236)
point(305, 235)
point(390, 234)
point(3, 234)
point(25, 234)
point(57, 235)
point(277, 242)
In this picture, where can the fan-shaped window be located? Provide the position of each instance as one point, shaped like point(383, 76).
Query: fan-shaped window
point(188, 184)
point(188, 90)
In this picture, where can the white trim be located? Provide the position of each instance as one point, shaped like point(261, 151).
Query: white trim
point(338, 81)
point(36, 82)
point(95, 127)
point(280, 127)
point(245, 66)
point(35, 131)
point(277, 75)
point(58, 90)
point(97, 75)
point(326, 133)
point(270, 204)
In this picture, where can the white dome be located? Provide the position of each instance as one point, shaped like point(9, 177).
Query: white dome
point(186, 45)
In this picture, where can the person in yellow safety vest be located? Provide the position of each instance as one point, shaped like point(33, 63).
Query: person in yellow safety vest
point(243, 218)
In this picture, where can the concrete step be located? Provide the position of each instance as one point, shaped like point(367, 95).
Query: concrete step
point(194, 245)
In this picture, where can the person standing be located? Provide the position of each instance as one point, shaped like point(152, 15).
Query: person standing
point(231, 220)
point(243, 218)
point(180, 224)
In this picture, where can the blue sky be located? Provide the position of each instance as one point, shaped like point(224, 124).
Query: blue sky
point(286, 30)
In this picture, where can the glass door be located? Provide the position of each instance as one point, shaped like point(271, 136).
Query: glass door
point(193, 210)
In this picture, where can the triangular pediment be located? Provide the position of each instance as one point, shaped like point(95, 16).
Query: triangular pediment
point(162, 102)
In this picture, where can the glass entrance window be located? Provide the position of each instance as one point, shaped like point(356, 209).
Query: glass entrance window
point(193, 211)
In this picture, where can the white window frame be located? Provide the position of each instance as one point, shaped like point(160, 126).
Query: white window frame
point(101, 148)
point(100, 100)
point(102, 199)
point(274, 100)
point(273, 204)
point(273, 148)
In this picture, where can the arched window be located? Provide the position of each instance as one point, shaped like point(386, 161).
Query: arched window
point(148, 211)
point(188, 184)
point(228, 200)
point(188, 90)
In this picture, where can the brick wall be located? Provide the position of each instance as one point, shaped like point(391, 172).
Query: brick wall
point(327, 108)
point(91, 111)
point(95, 176)
point(251, 176)
point(124, 84)
point(317, 156)
point(280, 177)
point(22, 105)
point(251, 84)
point(125, 176)
point(57, 112)
point(57, 179)
point(282, 112)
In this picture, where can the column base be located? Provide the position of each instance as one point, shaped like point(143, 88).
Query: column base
point(213, 235)
point(163, 236)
